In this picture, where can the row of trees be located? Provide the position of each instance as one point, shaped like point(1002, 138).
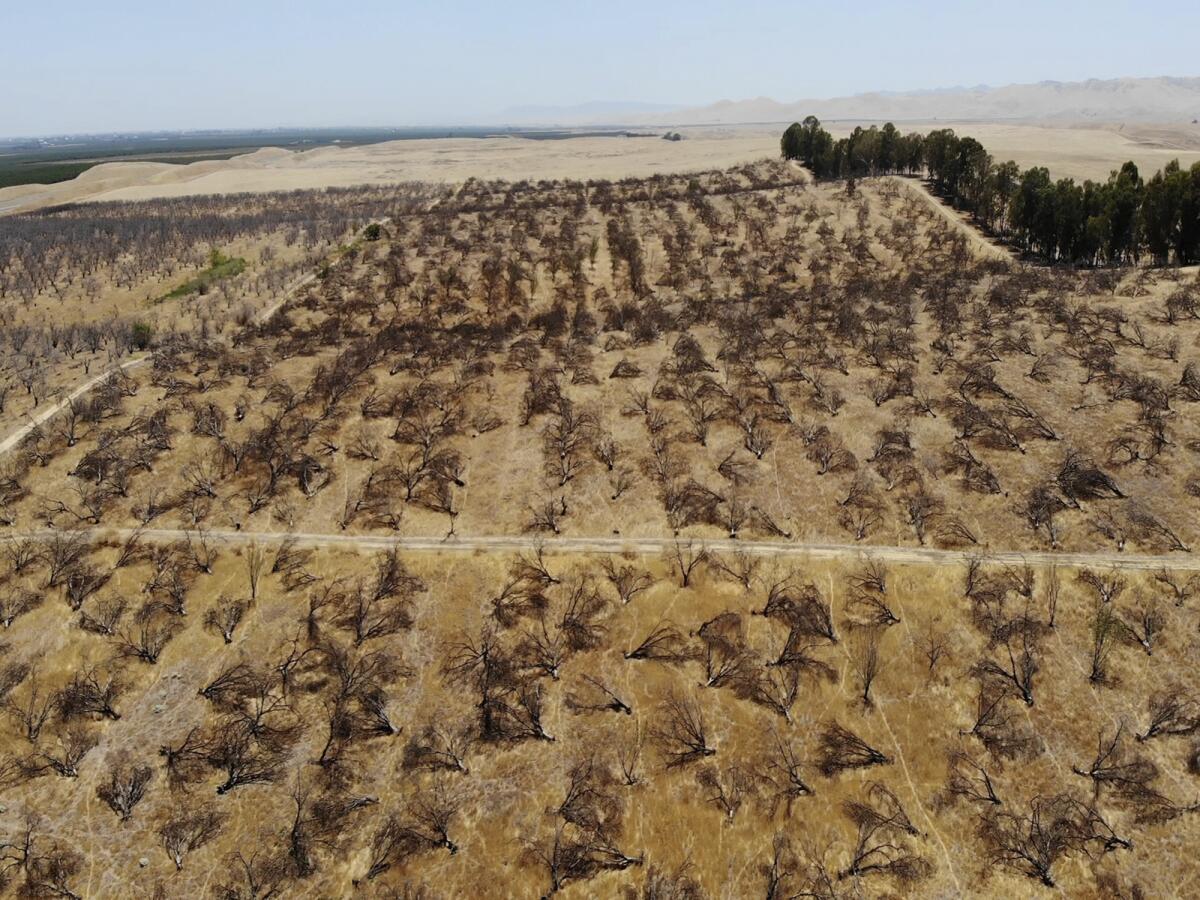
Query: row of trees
point(1117, 222)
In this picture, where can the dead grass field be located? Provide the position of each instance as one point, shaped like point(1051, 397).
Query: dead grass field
point(955, 388)
point(1074, 151)
point(509, 797)
point(1080, 152)
point(74, 282)
point(733, 354)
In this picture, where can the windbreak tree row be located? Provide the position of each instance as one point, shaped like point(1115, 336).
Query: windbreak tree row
point(1116, 222)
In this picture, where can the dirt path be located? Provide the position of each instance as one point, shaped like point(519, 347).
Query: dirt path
point(49, 412)
point(979, 241)
point(646, 546)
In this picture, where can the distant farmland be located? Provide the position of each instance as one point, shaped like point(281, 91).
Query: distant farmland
point(47, 161)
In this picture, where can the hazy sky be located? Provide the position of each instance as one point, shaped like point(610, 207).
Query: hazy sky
point(83, 65)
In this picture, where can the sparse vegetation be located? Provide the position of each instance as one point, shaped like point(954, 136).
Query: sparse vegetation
point(724, 364)
point(219, 268)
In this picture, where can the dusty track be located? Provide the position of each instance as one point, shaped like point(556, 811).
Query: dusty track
point(47, 413)
point(648, 546)
point(979, 241)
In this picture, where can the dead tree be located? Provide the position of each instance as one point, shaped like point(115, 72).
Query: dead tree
point(995, 727)
point(681, 733)
point(870, 576)
point(256, 564)
point(1080, 480)
point(71, 745)
point(1032, 842)
point(65, 551)
point(882, 844)
point(842, 749)
point(145, 638)
point(969, 780)
point(601, 698)
point(871, 611)
point(187, 761)
point(391, 844)
point(1106, 587)
point(104, 617)
point(867, 665)
point(256, 876)
point(1019, 663)
point(430, 814)
point(686, 557)
point(725, 655)
point(92, 691)
point(234, 750)
point(1144, 623)
point(16, 603)
point(189, 830)
point(784, 772)
point(727, 789)
point(125, 787)
point(933, 645)
point(922, 509)
point(774, 687)
point(225, 617)
point(626, 579)
point(319, 822)
point(740, 567)
point(45, 867)
point(533, 569)
point(1114, 769)
point(230, 686)
point(629, 755)
point(440, 747)
point(664, 643)
point(1179, 588)
point(1107, 629)
point(1053, 587)
point(1171, 712)
point(678, 884)
point(33, 711)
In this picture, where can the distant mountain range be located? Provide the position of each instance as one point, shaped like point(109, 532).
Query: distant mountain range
point(1114, 100)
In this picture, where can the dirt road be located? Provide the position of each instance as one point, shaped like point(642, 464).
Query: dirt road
point(979, 241)
point(645, 546)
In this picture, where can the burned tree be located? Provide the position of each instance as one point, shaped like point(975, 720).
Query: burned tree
point(841, 749)
point(1172, 711)
point(125, 787)
point(189, 830)
point(883, 842)
point(1032, 842)
point(681, 732)
point(664, 643)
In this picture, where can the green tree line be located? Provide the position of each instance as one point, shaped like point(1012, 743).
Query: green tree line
point(1114, 222)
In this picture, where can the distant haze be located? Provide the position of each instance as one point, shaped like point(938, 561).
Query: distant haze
point(596, 111)
point(140, 65)
point(1117, 100)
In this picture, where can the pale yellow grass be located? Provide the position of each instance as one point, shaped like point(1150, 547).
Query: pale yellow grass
point(1077, 151)
point(442, 160)
point(1070, 151)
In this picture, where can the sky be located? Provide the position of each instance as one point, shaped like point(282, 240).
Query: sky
point(77, 66)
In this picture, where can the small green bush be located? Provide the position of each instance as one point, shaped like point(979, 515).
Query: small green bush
point(141, 335)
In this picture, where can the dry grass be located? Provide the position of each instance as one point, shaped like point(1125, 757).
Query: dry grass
point(513, 785)
point(753, 295)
